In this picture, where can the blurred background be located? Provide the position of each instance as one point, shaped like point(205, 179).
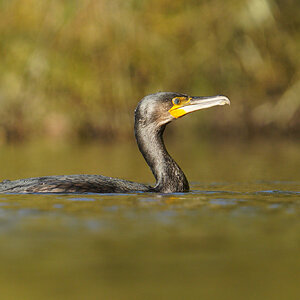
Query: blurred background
point(76, 69)
point(71, 74)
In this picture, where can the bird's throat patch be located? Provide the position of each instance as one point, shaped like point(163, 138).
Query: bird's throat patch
point(177, 109)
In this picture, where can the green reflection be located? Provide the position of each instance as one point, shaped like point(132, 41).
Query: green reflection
point(227, 239)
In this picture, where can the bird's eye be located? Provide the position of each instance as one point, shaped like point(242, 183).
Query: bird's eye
point(176, 101)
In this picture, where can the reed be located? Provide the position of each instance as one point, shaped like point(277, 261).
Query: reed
point(77, 68)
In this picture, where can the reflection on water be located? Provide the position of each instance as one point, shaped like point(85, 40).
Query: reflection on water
point(226, 239)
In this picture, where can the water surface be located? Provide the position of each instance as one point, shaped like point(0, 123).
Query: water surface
point(236, 235)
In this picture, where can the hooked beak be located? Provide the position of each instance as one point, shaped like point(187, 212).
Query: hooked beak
point(197, 103)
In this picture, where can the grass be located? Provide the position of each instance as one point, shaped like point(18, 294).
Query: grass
point(72, 69)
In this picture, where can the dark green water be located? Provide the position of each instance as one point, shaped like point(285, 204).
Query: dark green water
point(235, 236)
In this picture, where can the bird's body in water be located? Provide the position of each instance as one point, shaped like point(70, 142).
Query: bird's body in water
point(152, 115)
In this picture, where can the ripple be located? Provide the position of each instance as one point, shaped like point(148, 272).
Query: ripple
point(81, 199)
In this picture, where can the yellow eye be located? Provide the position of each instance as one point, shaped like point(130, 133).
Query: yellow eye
point(176, 101)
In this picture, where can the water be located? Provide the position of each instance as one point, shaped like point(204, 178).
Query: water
point(236, 235)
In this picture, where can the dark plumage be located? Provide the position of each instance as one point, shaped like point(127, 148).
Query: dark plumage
point(152, 115)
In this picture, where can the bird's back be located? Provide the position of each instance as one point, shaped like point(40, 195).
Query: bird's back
point(72, 184)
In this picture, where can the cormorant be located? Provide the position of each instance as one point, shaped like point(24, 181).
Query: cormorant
point(152, 114)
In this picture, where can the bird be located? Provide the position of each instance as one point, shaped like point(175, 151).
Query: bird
point(152, 114)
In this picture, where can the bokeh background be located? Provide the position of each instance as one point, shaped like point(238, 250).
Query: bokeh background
point(76, 69)
point(71, 74)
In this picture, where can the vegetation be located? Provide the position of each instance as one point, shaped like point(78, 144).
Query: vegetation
point(77, 68)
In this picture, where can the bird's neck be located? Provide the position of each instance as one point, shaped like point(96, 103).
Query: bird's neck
point(169, 177)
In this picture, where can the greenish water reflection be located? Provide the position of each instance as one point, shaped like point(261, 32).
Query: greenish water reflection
point(227, 239)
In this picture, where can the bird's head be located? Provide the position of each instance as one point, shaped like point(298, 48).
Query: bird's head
point(164, 107)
